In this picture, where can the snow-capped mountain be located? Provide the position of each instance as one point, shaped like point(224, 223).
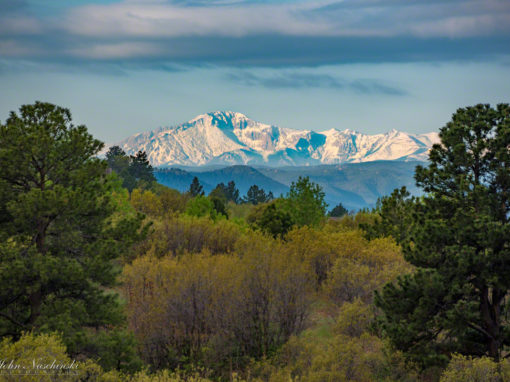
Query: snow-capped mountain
point(228, 138)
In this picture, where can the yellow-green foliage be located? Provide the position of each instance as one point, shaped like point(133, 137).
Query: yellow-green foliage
point(354, 318)
point(201, 206)
point(161, 202)
point(350, 222)
point(172, 200)
point(484, 369)
point(43, 349)
point(167, 376)
point(352, 265)
point(317, 249)
point(180, 234)
point(349, 353)
point(120, 198)
point(147, 202)
point(91, 371)
point(215, 294)
point(340, 358)
point(214, 307)
point(363, 266)
point(239, 211)
point(176, 376)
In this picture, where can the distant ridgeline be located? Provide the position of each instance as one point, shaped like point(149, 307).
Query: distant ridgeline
point(355, 185)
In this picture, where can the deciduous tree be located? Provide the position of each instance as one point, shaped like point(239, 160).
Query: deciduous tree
point(306, 202)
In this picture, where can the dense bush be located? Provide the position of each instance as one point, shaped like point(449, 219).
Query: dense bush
point(215, 309)
point(468, 369)
point(180, 234)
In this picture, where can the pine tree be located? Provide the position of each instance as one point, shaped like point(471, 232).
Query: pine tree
point(393, 216)
point(195, 188)
point(232, 192)
point(255, 195)
point(140, 167)
point(459, 240)
point(57, 237)
point(338, 211)
point(220, 191)
point(135, 170)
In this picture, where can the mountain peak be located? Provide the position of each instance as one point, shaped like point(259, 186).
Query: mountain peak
point(228, 114)
point(220, 115)
point(231, 138)
point(349, 131)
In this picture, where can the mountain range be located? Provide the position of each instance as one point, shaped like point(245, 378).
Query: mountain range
point(229, 138)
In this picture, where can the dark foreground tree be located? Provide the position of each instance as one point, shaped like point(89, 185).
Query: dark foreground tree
point(58, 233)
point(393, 216)
point(459, 240)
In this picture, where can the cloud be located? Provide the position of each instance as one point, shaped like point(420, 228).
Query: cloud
point(421, 18)
point(357, 18)
point(250, 51)
point(295, 80)
point(120, 50)
point(287, 80)
point(260, 32)
point(156, 20)
point(20, 25)
point(369, 86)
point(10, 48)
point(8, 6)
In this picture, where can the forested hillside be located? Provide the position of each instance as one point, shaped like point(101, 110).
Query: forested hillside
point(355, 185)
point(116, 277)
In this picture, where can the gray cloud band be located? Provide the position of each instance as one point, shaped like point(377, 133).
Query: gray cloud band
point(312, 80)
point(259, 33)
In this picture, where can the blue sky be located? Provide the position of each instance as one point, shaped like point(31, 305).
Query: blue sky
point(369, 65)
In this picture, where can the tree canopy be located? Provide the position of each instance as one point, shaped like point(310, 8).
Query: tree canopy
point(272, 218)
point(458, 238)
point(134, 170)
point(195, 188)
point(305, 202)
point(338, 211)
point(229, 193)
point(256, 195)
point(58, 229)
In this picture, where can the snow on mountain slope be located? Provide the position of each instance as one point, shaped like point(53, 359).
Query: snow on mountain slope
point(231, 138)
